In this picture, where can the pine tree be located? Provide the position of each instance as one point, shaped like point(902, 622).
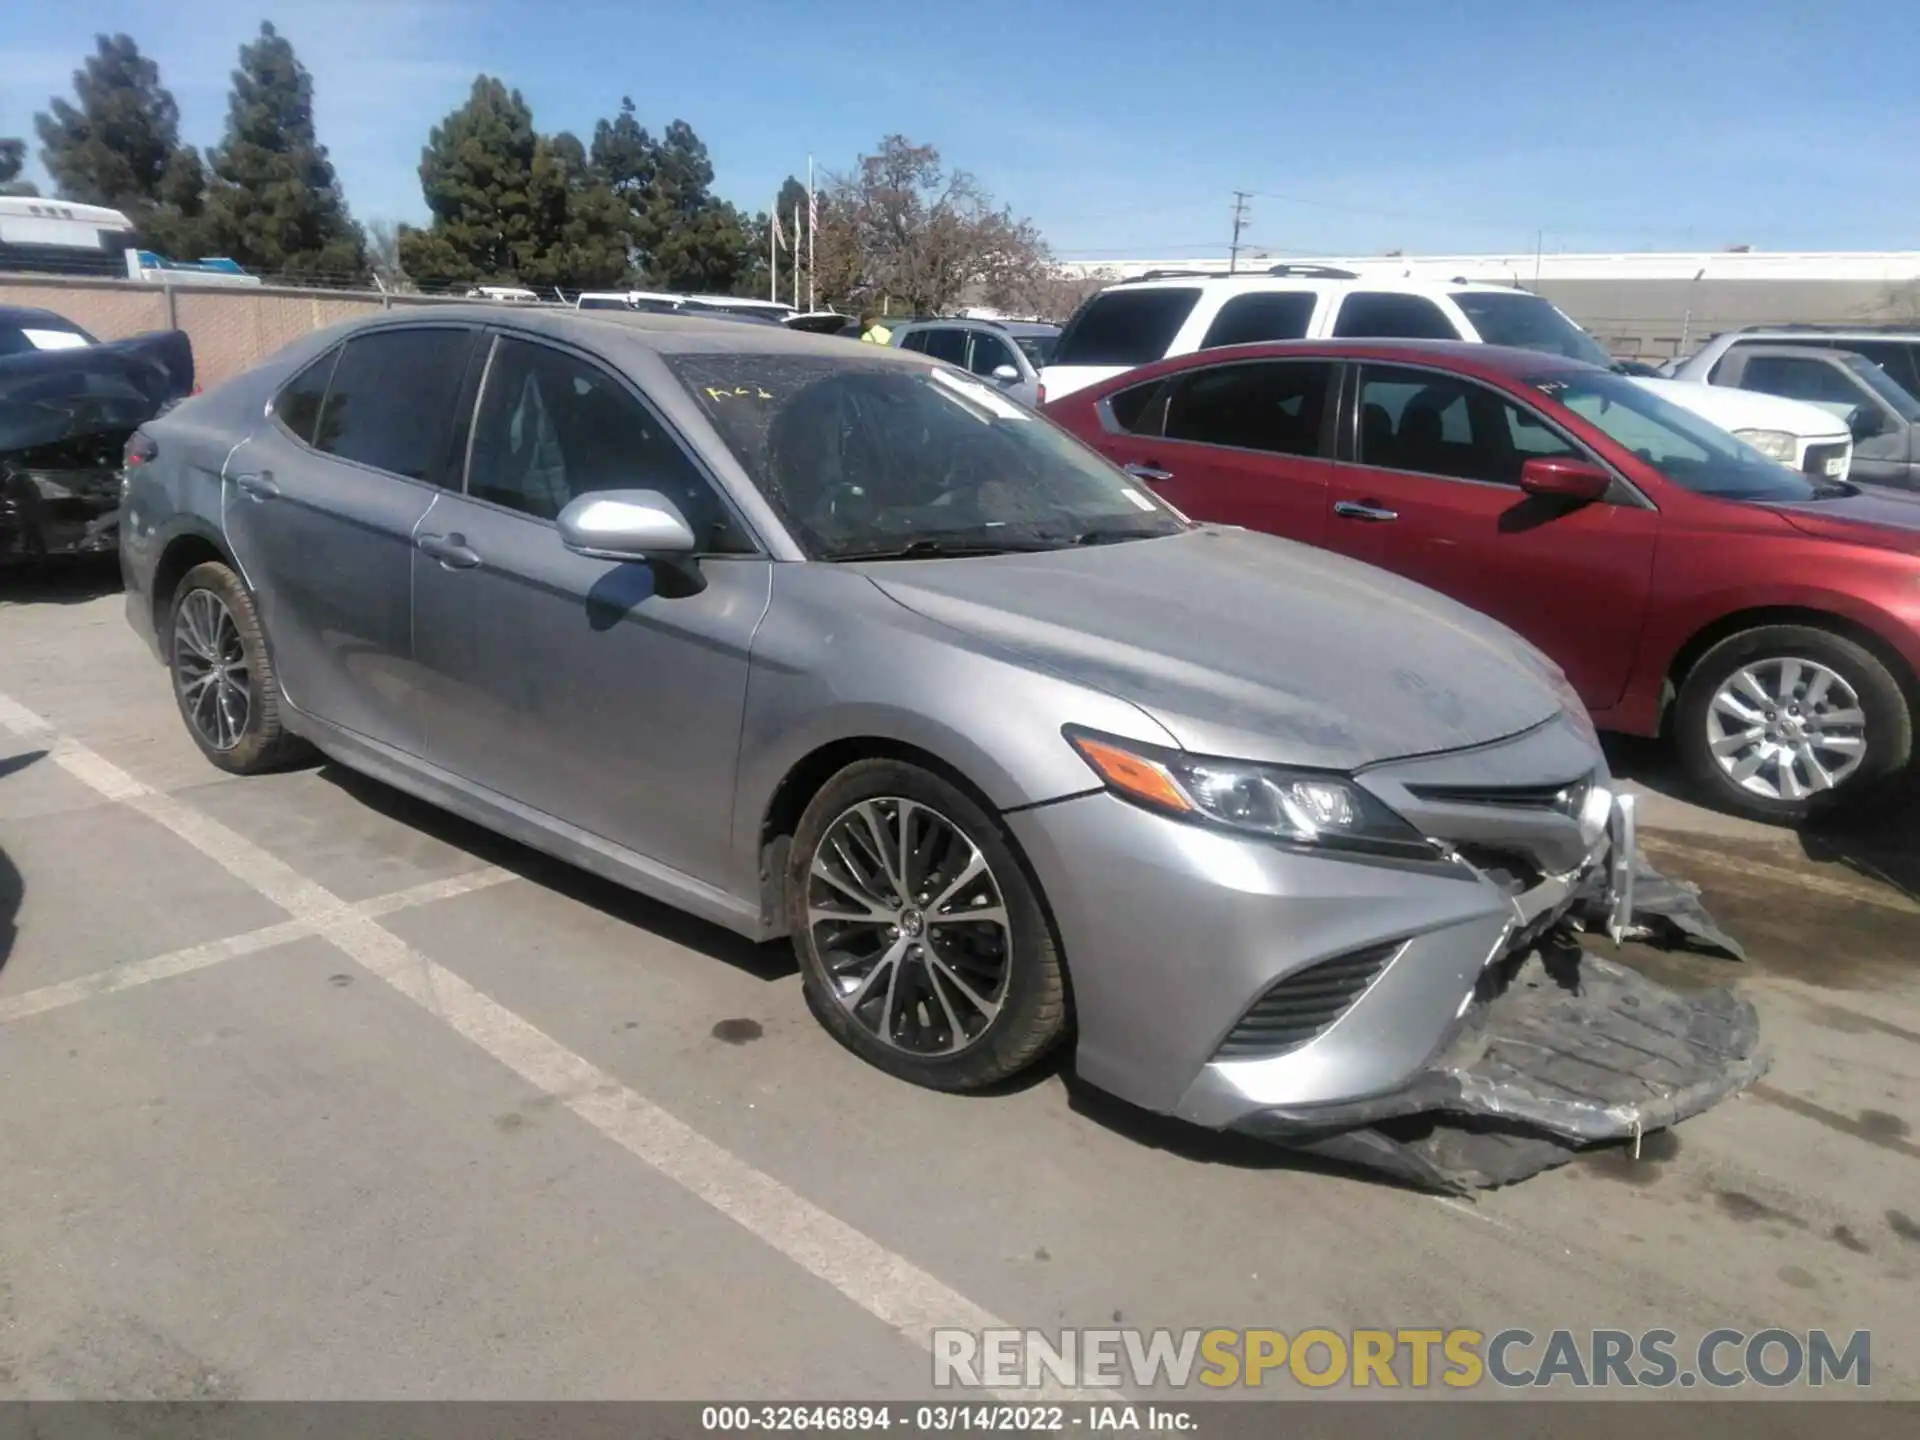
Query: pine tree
point(113, 147)
point(13, 158)
point(275, 203)
point(477, 174)
point(512, 205)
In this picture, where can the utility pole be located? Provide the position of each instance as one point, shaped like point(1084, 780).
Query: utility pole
point(1240, 198)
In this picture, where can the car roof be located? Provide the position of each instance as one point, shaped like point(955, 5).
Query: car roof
point(1889, 330)
point(1261, 281)
point(23, 316)
point(1463, 356)
point(679, 334)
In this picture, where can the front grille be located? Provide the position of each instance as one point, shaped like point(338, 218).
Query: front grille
point(1567, 798)
point(1304, 1004)
point(1817, 457)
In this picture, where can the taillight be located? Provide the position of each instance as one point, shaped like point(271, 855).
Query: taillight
point(1040, 393)
point(140, 449)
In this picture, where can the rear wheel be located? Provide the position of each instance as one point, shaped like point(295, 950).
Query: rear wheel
point(1784, 721)
point(222, 677)
point(922, 943)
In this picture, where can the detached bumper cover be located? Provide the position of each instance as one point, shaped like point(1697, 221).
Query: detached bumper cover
point(1567, 1050)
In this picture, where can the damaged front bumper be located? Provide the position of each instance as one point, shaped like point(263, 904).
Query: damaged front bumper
point(1557, 1049)
point(46, 512)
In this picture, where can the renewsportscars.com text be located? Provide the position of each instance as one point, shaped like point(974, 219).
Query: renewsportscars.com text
point(1011, 1359)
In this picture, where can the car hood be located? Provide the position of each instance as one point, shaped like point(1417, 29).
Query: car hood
point(1875, 515)
point(1250, 646)
point(1733, 409)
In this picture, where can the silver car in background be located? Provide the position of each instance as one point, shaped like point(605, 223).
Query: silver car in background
point(1007, 353)
point(837, 643)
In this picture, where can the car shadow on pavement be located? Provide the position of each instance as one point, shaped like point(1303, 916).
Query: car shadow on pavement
point(64, 580)
point(12, 886)
point(1882, 846)
point(772, 961)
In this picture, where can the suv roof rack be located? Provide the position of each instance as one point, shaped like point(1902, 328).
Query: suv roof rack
point(1167, 275)
point(1314, 272)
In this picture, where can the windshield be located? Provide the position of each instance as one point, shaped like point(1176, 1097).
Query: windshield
point(867, 457)
point(1038, 348)
point(1687, 450)
point(1527, 322)
point(1885, 386)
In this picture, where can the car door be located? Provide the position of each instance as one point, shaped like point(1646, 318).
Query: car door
point(1881, 434)
point(319, 506)
point(605, 694)
point(1240, 443)
point(987, 353)
point(1428, 487)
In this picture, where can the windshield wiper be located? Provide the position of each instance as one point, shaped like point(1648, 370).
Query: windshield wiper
point(932, 548)
point(1110, 535)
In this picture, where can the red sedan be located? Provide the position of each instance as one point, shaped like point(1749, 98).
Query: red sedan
point(1682, 580)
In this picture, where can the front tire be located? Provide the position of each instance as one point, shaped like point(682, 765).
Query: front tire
point(223, 679)
point(1782, 722)
point(923, 946)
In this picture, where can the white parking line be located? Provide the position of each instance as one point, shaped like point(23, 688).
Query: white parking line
point(199, 957)
point(885, 1285)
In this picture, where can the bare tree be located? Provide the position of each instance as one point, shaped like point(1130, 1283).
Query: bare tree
point(383, 254)
point(903, 227)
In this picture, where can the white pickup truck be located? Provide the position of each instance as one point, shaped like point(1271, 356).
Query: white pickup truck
point(1165, 313)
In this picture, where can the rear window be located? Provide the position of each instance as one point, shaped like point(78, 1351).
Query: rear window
point(1125, 327)
point(1267, 315)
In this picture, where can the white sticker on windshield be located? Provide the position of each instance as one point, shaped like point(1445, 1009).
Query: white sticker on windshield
point(987, 398)
point(55, 339)
point(1137, 498)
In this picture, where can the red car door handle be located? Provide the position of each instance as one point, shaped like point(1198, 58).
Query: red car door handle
point(1361, 510)
point(1152, 474)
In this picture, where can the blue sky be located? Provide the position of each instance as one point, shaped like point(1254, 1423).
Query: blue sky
point(1121, 129)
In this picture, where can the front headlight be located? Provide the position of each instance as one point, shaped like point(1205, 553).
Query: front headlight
point(1303, 807)
point(1774, 444)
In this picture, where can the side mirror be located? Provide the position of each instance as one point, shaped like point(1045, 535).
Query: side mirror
point(1006, 374)
point(1867, 422)
point(625, 525)
point(1577, 480)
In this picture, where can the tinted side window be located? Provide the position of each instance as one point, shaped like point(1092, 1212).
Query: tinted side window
point(1269, 315)
point(989, 351)
point(947, 345)
point(1896, 357)
point(391, 402)
point(1439, 425)
point(1139, 409)
point(298, 405)
point(1800, 379)
point(914, 340)
point(1261, 405)
point(1125, 327)
point(1387, 316)
point(552, 427)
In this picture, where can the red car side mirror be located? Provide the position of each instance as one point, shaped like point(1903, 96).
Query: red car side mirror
point(1578, 480)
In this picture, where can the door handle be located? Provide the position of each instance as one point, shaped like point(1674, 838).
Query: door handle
point(1152, 474)
point(257, 487)
point(1362, 510)
point(449, 550)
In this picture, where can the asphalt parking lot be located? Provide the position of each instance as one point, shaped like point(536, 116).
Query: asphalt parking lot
point(309, 1091)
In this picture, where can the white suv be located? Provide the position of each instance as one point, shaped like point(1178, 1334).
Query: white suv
point(1169, 313)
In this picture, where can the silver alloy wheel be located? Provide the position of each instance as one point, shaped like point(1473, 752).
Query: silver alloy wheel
point(911, 925)
point(215, 681)
point(1785, 728)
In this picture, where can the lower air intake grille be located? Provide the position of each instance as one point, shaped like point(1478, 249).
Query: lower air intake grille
point(1304, 1004)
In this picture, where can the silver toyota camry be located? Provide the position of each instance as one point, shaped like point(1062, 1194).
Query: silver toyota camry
point(837, 643)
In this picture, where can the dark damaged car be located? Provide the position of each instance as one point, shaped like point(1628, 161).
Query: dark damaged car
point(66, 415)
